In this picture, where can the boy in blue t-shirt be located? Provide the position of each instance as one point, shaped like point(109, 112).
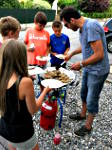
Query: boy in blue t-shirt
point(59, 44)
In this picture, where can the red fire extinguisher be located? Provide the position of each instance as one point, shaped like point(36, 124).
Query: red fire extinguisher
point(48, 114)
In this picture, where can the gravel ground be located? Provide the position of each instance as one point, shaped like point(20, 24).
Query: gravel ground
point(99, 139)
point(101, 136)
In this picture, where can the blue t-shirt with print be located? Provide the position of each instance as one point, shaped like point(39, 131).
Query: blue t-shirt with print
point(92, 31)
point(59, 46)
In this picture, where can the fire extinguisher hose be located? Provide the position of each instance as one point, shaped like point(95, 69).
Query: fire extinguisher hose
point(61, 112)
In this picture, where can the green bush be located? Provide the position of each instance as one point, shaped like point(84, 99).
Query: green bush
point(98, 15)
point(93, 5)
point(41, 4)
point(105, 14)
point(9, 4)
point(27, 4)
point(50, 1)
point(63, 3)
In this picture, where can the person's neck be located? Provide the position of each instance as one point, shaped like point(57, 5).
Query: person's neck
point(39, 30)
point(5, 38)
point(81, 22)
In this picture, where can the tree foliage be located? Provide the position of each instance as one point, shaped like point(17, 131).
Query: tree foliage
point(41, 4)
point(63, 3)
point(50, 1)
point(93, 5)
point(27, 4)
point(9, 4)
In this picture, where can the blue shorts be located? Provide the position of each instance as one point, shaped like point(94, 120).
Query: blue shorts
point(91, 89)
point(27, 145)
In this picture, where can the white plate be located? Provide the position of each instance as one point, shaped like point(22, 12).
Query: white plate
point(52, 83)
point(31, 67)
point(35, 71)
point(69, 73)
point(60, 56)
point(50, 68)
point(44, 58)
point(110, 69)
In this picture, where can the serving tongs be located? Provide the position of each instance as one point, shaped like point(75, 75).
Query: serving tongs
point(58, 66)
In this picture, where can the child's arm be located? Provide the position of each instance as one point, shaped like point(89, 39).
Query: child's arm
point(51, 51)
point(67, 46)
point(48, 49)
point(48, 43)
point(30, 48)
point(26, 91)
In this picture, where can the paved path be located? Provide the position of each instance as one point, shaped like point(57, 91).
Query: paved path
point(3, 144)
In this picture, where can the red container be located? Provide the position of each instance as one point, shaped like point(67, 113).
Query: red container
point(57, 139)
point(48, 115)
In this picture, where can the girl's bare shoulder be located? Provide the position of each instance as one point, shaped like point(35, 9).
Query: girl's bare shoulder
point(26, 82)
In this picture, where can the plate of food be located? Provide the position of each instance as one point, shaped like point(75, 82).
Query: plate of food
point(43, 58)
point(52, 83)
point(63, 75)
point(60, 56)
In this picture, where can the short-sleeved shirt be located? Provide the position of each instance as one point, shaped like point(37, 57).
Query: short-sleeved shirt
point(92, 31)
point(41, 40)
point(59, 46)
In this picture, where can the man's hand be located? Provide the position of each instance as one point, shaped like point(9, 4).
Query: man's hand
point(75, 52)
point(67, 57)
point(76, 66)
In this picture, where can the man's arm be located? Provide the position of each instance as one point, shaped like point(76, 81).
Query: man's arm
point(75, 52)
point(98, 55)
